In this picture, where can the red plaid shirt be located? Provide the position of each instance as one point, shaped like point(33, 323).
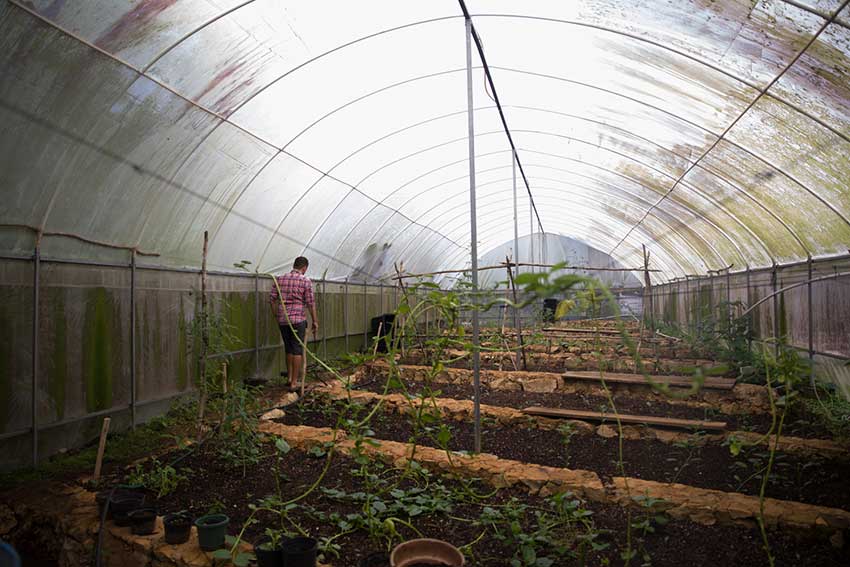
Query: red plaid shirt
point(297, 291)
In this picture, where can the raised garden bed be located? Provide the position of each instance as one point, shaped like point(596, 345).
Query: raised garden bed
point(798, 424)
point(447, 510)
point(709, 465)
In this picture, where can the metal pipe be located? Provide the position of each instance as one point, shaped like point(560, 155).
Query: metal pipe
point(516, 261)
point(133, 339)
point(345, 313)
point(36, 271)
point(365, 317)
point(775, 311)
point(473, 229)
point(531, 238)
point(750, 318)
point(256, 323)
point(323, 317)
point(810, 313)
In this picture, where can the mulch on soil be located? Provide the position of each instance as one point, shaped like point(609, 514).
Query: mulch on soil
point(804, 479)
point(214, 485)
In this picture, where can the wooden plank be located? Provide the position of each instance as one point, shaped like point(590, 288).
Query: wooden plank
point(710, 382)
point(585, 415)
point(582, 331)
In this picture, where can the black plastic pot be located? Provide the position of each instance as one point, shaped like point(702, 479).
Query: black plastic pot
point(211, 531)
point(122, 505)
point(101, 497)
point(300, 552)
point(178, 527)
point(143, 521)
point(268, 557)
point(376, 560)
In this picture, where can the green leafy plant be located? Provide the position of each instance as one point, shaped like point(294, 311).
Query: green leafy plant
point(160, 478)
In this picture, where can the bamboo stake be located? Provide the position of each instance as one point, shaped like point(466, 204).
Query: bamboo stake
point(518, 329)
point(377, 338)
point(101, 448)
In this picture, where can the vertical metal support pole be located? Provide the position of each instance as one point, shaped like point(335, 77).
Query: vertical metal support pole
point(257, 324)
point(345, 313)
point(324, 319)
point(365, 317)
point(133, 339)
point(517, 326)
point(381, 299)
point(729, 294)
point(775, 310)
point(473, 229)
point(36, 277)
point(531, 233)
point(750, 315)
point(811, 322)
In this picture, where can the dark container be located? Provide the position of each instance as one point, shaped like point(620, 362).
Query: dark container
point(178, 527)
point(122, 505)
point(300, 552)
point(379, 559)
point(550, 305)
point(143, 521)
point(268, 557)
point(211, 531)
point(382, 327)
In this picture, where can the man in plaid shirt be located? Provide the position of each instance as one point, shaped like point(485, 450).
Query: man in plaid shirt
point(297, 292)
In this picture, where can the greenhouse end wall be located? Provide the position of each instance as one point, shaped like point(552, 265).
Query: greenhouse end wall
point(85, 362)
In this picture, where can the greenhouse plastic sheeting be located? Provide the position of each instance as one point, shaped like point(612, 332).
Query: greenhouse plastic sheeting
point(716, 133)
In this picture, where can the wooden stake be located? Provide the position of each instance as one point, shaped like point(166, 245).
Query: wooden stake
point(304, 362)
point(224, 377)
point(375, 349)
point(101, 448)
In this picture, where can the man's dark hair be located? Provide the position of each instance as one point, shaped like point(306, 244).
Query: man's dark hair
point(300, 262)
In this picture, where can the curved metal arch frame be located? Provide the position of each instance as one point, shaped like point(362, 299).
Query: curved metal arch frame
point(679, 204)
point(587, 85)
point(671, 230)
point(711, 172)
point(53, 24)
point(197, 29)
point(664, 276)
point(687, 206)
point(679, 267)
point(635, 200)
point(140, 74)
point(419, 243)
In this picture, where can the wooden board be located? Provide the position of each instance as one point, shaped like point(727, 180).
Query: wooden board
point(585, 415)
point(582, 331)
point(710, 382)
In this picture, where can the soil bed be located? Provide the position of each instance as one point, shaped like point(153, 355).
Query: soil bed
point(540, 362)
point(798, 423)
point(213, 485)
point(810, 480)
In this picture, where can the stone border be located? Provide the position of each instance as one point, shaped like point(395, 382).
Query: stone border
point(743, 399)
point(699, 505)
point(575, 358)
point(461, 410)
point(68, 514)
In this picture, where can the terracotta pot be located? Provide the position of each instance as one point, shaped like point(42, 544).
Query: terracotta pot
point(427, 551)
